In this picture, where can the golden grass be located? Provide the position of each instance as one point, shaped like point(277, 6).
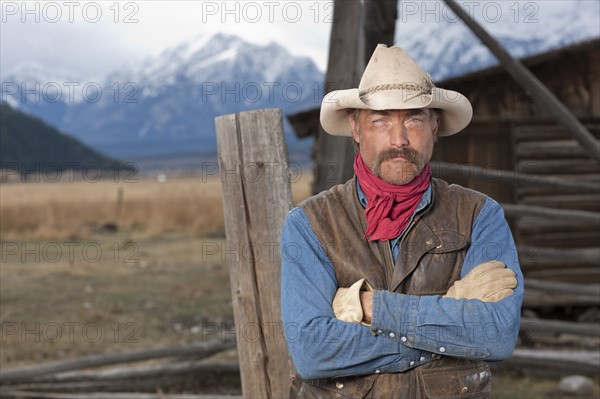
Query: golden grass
point(154, 277)
point(76, 210)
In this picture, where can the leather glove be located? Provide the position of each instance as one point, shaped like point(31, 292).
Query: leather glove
point(489, 282)
point(346, 303)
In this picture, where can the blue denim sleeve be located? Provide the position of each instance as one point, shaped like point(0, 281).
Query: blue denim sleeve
point(320, 345)
point(466, 328)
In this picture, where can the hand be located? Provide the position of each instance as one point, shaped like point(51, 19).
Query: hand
point(366, 302)
point(489, 282)
point(347, 304)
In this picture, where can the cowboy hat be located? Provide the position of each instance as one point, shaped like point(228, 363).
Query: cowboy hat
point(392, 80)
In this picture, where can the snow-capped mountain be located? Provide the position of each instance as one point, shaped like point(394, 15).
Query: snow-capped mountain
point(444, 46)
point(168, 103)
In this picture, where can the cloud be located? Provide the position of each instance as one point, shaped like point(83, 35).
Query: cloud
point(91, 39)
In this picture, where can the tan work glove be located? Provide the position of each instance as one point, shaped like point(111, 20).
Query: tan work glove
point(346, 303)
point(489, 282)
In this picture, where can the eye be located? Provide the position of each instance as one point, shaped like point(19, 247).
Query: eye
point(416, 121)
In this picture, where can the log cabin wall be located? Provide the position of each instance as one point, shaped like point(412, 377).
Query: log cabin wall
point(511, 131)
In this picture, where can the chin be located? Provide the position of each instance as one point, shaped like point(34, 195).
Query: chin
point(398, 177)
point(401, 182)
point(398, 180)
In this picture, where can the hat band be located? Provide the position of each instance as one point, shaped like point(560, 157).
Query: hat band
point(424, 88)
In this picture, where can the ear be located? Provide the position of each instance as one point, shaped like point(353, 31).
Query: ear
point(355, 134)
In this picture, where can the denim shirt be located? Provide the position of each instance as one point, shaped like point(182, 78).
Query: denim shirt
point(406, 330)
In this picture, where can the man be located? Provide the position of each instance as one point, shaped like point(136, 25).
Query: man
point(396, 284)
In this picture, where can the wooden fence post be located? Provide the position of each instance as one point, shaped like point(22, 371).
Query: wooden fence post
point(256, 197)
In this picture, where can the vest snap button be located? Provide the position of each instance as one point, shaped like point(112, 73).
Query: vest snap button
point(339, 385)
point(464, 390)
point(429, 241)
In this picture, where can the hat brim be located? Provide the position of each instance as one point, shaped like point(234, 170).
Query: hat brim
point(457, 110)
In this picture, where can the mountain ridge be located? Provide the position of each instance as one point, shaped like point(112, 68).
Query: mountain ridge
point(168, 103)
point(29, 145)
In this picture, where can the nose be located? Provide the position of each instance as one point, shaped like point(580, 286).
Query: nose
point(398, 135)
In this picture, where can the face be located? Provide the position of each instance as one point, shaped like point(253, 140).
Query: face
point(396, 144)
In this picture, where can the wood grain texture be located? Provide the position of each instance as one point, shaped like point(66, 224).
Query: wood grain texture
point(335, 155)
point(551, 104)
point(256, 197)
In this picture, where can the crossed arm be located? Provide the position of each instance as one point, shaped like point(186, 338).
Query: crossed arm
point(488, 282)
point(406, 330)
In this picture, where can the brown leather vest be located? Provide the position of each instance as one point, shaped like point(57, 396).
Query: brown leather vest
point(432, 252)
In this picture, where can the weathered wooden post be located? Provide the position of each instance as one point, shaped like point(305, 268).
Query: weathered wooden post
point(256, 197)
point(335, 155)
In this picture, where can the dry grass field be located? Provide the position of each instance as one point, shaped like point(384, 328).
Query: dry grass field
point(70, 287)
point(149, 208)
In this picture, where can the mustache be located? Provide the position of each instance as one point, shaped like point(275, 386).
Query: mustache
point(409, 154)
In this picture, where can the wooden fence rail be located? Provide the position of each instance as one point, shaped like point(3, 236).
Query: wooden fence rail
point(142, 378)
point(564, 288)
point(552, 213)
point(536, 327)
point(554, 362)
point(104, 395)
point(559, 257)
point(453, 171)
point(198, 351)
point(540, 293)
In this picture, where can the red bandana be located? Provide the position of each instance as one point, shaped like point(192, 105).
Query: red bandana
point(389, 207)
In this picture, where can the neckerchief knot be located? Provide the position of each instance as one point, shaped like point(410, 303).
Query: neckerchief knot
point(389, 206)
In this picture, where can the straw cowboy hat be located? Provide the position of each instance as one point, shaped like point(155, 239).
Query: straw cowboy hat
point(392, 80)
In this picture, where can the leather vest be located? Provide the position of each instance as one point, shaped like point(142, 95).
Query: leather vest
point(432, 252)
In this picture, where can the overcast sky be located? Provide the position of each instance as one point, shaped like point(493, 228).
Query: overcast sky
point(90, 39)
